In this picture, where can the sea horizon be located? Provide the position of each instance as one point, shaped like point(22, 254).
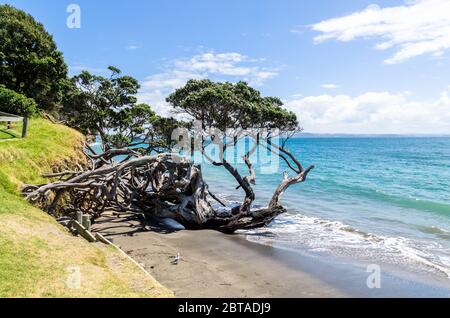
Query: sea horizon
point(368, 135)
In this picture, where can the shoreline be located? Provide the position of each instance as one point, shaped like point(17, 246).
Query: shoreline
point(217, 265)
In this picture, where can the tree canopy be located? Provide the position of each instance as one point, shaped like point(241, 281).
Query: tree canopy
point(228, 105)
point(108, 107)
point(30, 62)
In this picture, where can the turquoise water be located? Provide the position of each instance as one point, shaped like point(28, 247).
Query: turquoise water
point(378, 200)
point(375, 200)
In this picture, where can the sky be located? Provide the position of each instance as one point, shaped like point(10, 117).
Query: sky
point(353, 66)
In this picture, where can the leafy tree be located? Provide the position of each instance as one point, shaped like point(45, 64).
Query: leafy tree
point(104, 106)
point(160, 139)
point(228, 105)
point(239, 111)
point(30, 63)
point(14, 103)
point(108, 107)
point(130, 125)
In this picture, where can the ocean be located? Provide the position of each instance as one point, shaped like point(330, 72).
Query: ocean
point(371, 200)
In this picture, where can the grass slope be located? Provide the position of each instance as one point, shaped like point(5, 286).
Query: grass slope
point(38, 257)
point(6, 133)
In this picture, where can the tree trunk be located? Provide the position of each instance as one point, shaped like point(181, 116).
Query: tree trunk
point(163, 186)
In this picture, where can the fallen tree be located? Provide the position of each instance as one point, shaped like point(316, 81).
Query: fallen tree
point(163, 186)
point(168, 184)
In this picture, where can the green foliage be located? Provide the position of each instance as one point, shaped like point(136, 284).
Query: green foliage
point(15, 103)
point(131, 123)
point(108, 107)
point(30, 63)
point(26, 159)
point(228, 105)
point(160, 138)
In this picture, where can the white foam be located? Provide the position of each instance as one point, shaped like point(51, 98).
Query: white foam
point(317, 234)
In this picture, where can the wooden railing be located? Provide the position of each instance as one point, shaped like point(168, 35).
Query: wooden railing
point(9, 118)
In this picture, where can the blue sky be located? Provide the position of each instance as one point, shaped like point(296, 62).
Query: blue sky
point(320, 57)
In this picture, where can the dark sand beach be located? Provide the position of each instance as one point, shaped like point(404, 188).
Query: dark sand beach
point(216, 265)
point(213, 264)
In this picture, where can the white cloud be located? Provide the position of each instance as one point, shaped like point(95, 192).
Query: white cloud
point(131, 47)
point(417, 28)
point(226, 64)
point(373, 112)
point(329, 86)
point(223, 63)
point(156, 99)
point(172, 79)
point(217, 66)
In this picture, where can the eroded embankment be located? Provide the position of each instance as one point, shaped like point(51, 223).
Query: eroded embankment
point(38, 257)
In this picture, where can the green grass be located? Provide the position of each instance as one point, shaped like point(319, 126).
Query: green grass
point(36, 252)
point(7, 134)
point(4, 135)
point(48, 145)
point(10, 133)
point(19, 266)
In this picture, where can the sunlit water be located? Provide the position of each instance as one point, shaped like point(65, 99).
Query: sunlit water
point(379, 200)
point(373, 200)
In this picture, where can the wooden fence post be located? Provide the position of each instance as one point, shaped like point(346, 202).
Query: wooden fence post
point(24, 127)
point(86, 222)
point(80, 217)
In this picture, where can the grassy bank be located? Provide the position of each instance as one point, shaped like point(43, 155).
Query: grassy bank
point(6, 133)
point(39, 258)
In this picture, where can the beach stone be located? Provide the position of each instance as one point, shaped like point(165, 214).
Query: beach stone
point(172, 224)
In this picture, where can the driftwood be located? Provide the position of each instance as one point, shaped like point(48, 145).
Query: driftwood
point(165, 186)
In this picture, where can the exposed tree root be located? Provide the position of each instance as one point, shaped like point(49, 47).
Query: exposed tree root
point(164, 185)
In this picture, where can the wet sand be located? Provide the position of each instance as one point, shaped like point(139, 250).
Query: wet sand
point(213, 264)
